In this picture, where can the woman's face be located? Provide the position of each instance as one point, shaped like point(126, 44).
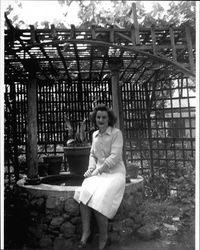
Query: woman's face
point(102, 120)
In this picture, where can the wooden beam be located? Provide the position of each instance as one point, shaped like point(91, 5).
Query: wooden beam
point(138, 47)
point(143, 48)
point(103, 29)
point(148, 55)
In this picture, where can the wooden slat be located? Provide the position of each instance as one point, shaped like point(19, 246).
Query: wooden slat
point(42, 49)
point(92, 52)
point(73, 35)
point(31, 56)
point(171, 32)
point(153, 36)
point(103, 64)
point(130, 63)
point(54, 34)
point(190, 48)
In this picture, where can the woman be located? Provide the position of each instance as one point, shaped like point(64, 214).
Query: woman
point(103, 188)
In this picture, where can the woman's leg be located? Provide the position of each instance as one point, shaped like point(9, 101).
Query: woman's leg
point(85, 218)
point(102, 222)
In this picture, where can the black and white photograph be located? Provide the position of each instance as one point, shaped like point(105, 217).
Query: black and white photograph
point(99, 131)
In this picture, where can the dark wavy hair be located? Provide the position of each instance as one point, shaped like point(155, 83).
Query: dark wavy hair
point(112, 119)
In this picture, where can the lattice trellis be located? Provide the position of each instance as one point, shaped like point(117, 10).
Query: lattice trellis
point(72, 68)
point(171, 119)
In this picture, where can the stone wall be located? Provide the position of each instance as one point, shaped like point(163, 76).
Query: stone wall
point(53, 217)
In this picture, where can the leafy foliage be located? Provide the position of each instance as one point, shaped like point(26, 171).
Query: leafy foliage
point(118, 13)
point(78, 137)
point(183, 12)
point(184, 184)
point(156, 187)
point(180, 188)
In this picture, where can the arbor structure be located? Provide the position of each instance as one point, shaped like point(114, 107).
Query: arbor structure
point(138, 70)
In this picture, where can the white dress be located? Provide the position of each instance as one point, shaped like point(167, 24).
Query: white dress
point(104, 192)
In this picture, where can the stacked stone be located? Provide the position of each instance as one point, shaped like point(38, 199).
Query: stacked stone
point(129, 217)
point(53, 222)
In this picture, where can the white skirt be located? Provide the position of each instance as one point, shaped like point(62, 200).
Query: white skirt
point(103, 193)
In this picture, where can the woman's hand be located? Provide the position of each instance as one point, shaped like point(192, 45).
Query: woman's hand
point(88, 173)
point(95, 172)
point(104, 169)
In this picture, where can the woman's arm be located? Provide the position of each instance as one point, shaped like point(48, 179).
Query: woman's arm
point(92, 157)
point(92, 162)
point(115, 154)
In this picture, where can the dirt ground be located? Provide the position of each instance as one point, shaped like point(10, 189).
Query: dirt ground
point(136, 244)
point(167, 241)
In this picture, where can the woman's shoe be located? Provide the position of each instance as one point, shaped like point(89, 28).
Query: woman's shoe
point(89, 239)
point(104, 245)
point(82, 244)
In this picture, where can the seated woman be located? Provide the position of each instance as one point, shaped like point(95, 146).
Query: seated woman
point(104, 184)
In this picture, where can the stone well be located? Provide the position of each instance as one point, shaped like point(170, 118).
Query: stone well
point(53, 217)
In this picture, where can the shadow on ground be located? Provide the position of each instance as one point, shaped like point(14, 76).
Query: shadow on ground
point(137, 244)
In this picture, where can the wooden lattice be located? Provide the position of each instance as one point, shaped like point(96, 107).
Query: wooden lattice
point(172, 120)
point(72, 70)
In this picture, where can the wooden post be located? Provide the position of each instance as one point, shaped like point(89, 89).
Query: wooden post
point(112, 34)
point(190, 49)
point(149, 128)
point(153, 36)
point(136, 26)
point(93, 33)
point(133, 39)
point(32, 30)
point(115, 64)
point(14, 129)
point(171, 32)
point(32, 161)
